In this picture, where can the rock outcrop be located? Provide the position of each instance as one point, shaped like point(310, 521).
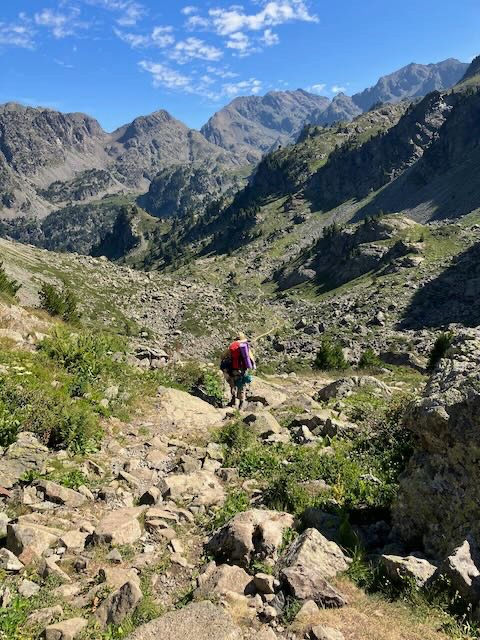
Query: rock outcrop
point(438, 502)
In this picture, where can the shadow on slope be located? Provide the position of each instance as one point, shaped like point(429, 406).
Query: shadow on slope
point(445, 182)
point(452, 297)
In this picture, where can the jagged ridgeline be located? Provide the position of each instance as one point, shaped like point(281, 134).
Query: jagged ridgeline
point(61, 172)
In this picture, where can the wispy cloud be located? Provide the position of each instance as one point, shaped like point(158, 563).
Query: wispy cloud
point(233, 89)
point(194, 48)
point(160, 37)
point(130, 11)
point(234, 19)
point(338, 89)
point(165, 76)
point(240, 42)
point(189, 10)
point(62, 63)
point(270, 38)
point(317, 88)
point(18, 34)
point(60, 24)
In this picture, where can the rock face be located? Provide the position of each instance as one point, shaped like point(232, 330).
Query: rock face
point(180, 191)
point(250, 126)
point(412, 81)
point(202, 621)
point(438, 502)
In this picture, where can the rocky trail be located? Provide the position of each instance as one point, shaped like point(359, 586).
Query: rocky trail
point(149, 545)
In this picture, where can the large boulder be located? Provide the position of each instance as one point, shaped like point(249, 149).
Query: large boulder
point(202, 621)
point(307, 564)
point(54, 492)
point(439, 498)
point(119, 527)
point(26, 454)
point(65, 630)
point(181, 409)
point(37, 538)
point(201, 487)
point(252, 534)
point(419, 570)
point(313, 549)
point(267, 393)
point(462, 568)
point(219, 581)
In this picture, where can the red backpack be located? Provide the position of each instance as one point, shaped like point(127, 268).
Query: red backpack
point(236, 356)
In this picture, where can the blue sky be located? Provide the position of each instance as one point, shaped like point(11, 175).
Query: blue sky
point(117, 59)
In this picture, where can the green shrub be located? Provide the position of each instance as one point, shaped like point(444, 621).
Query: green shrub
point(330, 356)
point(7, 285)
point(236, 502)
point(59, 302)
point(440, 348)
point(9, 425)
point(86, 356)
point(200, 381)
point(369, 360)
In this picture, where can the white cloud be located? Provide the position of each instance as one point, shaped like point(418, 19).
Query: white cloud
point(270, 38)
point(189, 10)
point(16, 35)
point(62, 63)
point(130, 11)
point(225, 74)
point(234, 19)
point(194, 48)
point(239, 42)
point(60, 24)
point(233, 89)
point(337, 89)
point(160, 37)
point(197, 23)
point(164, 76)
point(317, 88)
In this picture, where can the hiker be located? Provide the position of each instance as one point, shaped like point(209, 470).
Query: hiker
point(235, 364)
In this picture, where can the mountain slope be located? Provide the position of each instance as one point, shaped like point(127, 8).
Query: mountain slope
point(49, 159)
point(151, 143)
point(412, 81)
point(250, 126)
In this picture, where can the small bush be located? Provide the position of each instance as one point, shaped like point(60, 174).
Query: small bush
point(369, 360)
point(59, 302)
point(9, 425)
point(86, 356)
point(7, 285)
point(236, 502)
point(330, 356)
point(440, 348)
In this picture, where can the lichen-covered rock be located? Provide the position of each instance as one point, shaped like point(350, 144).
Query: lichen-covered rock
point(413, 568)
point(26, 454)
point(462, 568)
point(306, 566)
point(252, 534)
point(439, 497)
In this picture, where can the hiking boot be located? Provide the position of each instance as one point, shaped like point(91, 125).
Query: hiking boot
point(242, 404)
point(232, 402)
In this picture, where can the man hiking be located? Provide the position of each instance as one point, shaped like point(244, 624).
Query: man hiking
point(235, 364)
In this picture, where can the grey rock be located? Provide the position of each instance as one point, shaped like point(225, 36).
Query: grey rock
point(202, 621)
point(119, 604)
